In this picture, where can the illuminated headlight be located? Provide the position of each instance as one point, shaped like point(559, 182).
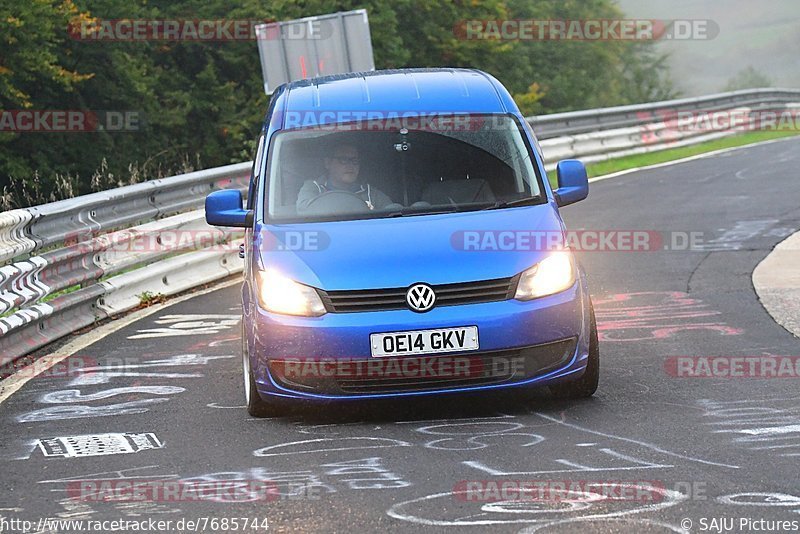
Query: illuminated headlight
point(279, 294)
point(551, 275)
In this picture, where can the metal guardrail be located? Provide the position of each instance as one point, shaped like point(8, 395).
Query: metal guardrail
point(69, 258)
point(73, 262)
point(606, 144)
point(591, 120)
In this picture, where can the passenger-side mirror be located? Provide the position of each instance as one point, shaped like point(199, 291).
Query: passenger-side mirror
point(573, 184)
point(224, 208)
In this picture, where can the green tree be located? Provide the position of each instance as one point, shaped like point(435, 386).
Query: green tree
point(748, 78)
point(647, 75)
point(34, 73)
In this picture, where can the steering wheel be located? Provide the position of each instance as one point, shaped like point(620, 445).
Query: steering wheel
point(336, 203)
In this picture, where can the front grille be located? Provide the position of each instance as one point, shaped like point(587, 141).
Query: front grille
point(395, 298)
point(387, 375)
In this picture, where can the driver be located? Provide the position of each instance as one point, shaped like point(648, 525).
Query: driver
point(341, 174)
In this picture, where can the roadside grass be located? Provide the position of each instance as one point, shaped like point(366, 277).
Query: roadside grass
point(652, 158)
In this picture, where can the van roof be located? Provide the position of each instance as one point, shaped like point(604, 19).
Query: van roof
point(447, 90)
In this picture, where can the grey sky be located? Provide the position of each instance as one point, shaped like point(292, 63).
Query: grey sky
point(761, 33)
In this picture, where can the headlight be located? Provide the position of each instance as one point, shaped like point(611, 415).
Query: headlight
point(551, 275)
point(279, 294)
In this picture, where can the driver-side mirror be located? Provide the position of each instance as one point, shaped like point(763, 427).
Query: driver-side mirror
point(224, 208)
point(573, 184)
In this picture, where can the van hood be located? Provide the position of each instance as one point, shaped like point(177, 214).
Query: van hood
point(397, 252)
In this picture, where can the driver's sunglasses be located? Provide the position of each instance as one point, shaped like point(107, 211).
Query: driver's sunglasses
point(355, 162)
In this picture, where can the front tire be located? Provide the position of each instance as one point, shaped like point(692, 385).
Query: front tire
point(256, 406)
point(586, 385)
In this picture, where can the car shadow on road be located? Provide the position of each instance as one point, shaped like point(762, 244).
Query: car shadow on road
point(440, 407)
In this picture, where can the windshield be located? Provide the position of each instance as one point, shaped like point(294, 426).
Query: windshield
point(377, 169)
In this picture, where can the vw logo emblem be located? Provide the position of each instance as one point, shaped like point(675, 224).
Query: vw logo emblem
point(420, 297)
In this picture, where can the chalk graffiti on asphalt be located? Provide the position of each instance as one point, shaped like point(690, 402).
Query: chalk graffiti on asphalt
point(770, 425)
point(653, 315)
point(188, 325)
point(103, 374)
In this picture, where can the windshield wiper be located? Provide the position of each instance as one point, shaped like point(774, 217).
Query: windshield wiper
point(423, 211)
point(527, 201)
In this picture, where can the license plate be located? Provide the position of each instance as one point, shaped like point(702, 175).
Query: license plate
point(424, 341)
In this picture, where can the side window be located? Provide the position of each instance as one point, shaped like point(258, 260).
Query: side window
point(258, 165)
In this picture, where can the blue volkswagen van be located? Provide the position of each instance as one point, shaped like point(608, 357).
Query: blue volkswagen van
point(402, 239)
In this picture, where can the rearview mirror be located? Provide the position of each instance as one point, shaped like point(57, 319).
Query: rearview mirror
point(573, 184)
point(224, 208)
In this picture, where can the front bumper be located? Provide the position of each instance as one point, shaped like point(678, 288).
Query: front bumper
point(549, 336)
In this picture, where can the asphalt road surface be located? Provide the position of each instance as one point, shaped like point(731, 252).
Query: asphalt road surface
point(160, 402)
